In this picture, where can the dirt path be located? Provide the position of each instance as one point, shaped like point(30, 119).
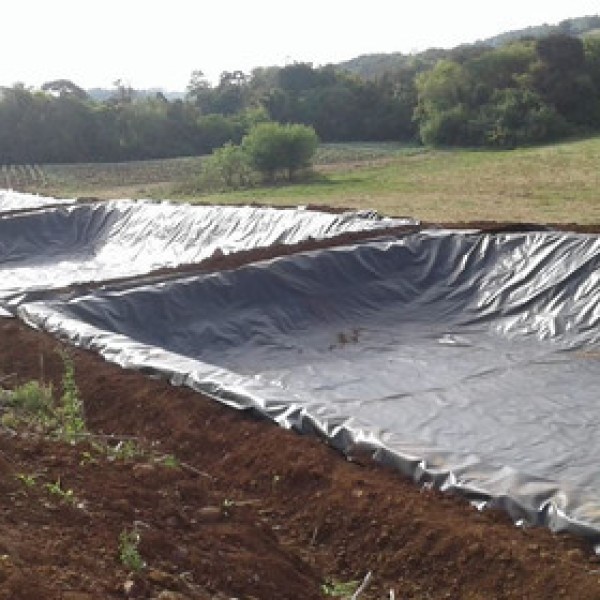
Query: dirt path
point(247, 510)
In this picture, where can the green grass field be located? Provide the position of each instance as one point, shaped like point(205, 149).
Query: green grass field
point(557, 183)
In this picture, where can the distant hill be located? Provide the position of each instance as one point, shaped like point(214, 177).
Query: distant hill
point(102, 94)
point(575, 27)
point(372, 66)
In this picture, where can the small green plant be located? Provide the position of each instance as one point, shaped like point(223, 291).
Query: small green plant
point(28, 480)
point(33, 405)
point(168, 460)
point(339, 589)
point(124, 450)
point(32, 397)
point(87, 458)
point(71, 421)
point(56, 489)
point(30, 404)
point(129, 554)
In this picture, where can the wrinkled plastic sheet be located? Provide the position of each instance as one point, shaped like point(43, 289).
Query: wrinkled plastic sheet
point(59, 247)
point(11, 201)
point(467, 361)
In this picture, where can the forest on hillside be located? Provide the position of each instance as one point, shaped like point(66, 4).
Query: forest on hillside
point(525, 91)
point(372, 66)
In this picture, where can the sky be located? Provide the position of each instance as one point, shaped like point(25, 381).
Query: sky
point(159, 44)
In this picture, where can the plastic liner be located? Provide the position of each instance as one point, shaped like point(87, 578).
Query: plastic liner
point(467, 361)
point(16, 201)
point(58, 247)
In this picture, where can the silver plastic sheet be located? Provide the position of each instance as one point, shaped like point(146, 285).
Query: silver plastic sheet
point(469, 361)
point(59, 247)
point(16, 201)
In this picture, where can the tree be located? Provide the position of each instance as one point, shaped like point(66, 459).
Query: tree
point(272, 148)
point(526, 92)
point(592, 60)
point(560, 78)
point(444, 87)
point(227, 98)
point(215, 130)
point(501, 68)
point(64, 87)
point(297, 77)
point(200, 92)
point(520, 117)
point(443, 111)
point(592, 63)
point(123, 94)
point(561, 52)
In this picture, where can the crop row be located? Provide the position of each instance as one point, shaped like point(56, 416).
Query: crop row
point(17, 176)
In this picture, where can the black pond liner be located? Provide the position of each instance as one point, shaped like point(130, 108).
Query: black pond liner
point(55, 248)
point(468, 361)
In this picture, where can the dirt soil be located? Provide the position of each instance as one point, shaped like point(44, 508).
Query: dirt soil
point(244, 510)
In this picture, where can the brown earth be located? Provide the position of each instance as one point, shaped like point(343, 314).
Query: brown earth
point(508, 227)
point(247, 510)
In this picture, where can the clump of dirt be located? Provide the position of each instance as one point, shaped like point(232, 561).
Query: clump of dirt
point(513, 227)
point(220, 504)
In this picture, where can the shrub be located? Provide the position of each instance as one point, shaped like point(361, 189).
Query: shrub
point(129, 554)
point(32, 398)
point(70, 412)
point(273, 148)
point(33, 405)
point(227, 168)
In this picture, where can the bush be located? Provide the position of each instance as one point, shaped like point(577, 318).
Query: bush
point(33, 405)
point(520, 117)
point(32, 397)
point(449, 127)
point(273, 148)
point(212, 131)
point(227, 168)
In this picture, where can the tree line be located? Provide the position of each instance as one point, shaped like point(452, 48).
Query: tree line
point(60, 123)
point(526, 91)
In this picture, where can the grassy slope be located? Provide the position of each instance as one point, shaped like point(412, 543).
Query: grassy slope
point(555, 183)
point(558, 183)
